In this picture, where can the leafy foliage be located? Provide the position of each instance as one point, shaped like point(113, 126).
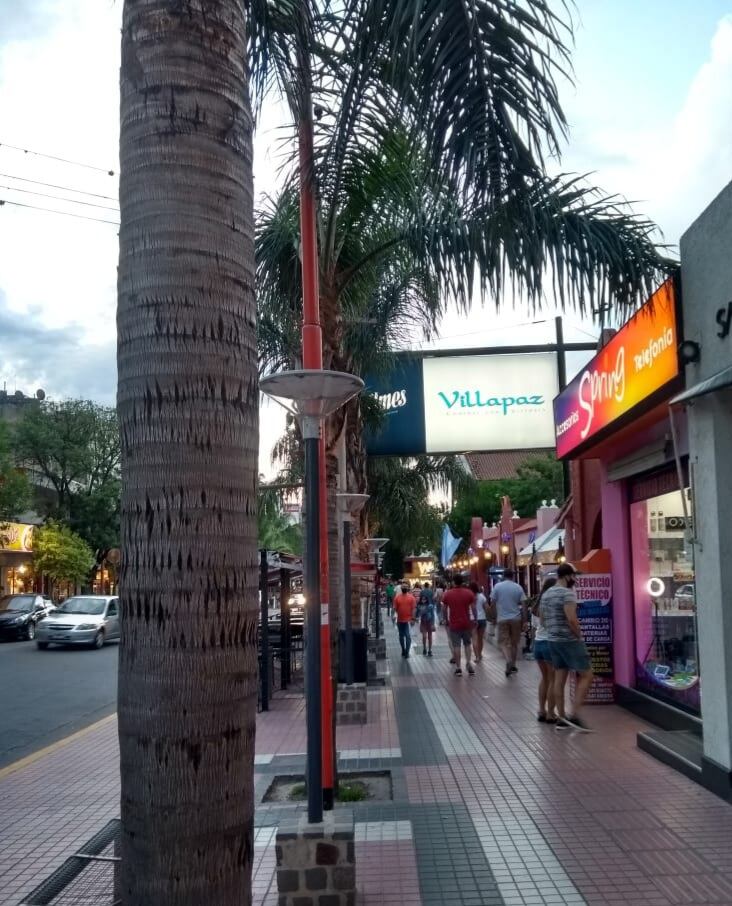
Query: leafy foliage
point(400, 508)
point(274, 530)
point(61, 554)
point(74, 446)
point(539, 479)
point(15, 492)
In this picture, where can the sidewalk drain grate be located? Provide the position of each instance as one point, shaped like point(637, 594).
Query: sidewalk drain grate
point(84, 879)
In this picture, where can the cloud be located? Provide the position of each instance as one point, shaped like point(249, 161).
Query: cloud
point(33, 355)
point(673, 169)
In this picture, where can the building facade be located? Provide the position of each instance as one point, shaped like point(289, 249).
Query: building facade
point(706, 266)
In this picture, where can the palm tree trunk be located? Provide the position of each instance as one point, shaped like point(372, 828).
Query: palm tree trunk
point(188, 408)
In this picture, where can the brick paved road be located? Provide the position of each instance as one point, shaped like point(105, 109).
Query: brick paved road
point(490, 808)
point(49, 694)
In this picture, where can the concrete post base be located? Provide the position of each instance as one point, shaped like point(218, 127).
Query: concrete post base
point(316, 863)
point(371, 671)
point(351, 704)
point(378, 648)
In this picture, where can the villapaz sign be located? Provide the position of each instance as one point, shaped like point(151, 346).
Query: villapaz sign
point(639, 360)
point(457, 404)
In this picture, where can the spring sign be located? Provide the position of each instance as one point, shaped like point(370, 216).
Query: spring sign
point(640, 359)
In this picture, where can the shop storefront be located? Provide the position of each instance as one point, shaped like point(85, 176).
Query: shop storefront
point(616, 412)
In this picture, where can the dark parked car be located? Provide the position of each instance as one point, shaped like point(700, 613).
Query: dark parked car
point(19, 615)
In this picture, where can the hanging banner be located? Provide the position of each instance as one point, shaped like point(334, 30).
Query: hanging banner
point(458, 404)
point(595, 612)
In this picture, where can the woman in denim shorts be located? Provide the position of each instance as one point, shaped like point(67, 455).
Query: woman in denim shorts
point(543, 658)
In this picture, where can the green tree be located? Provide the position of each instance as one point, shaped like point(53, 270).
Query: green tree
point(274, 530)
point(61, 554)
point(539, 478)
point(15, 492)
point(74, 447)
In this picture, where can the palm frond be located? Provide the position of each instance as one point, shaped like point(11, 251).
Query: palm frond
point(566, 241)
point(474, 78)
point(280, 33)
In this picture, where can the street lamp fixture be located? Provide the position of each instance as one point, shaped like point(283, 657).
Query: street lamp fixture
point(311, 395)
point(375, 544)
point(349, 506)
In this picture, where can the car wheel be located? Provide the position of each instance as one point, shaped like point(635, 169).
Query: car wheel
point(30, 631)
point(42, 645)
point(98, 640)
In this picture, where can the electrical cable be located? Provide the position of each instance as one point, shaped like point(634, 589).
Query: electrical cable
point(50, 185)
point(90, 204)
point(33, 207)
point(63, 160)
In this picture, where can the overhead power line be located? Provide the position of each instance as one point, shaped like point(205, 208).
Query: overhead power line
point(33, 207)
point(50, 185)
point(62, 160)
point(90, 204)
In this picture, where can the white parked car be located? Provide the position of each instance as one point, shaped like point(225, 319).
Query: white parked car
point(685, 597)
point(89, 620)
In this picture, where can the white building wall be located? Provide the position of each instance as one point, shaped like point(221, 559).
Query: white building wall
point(706, 266)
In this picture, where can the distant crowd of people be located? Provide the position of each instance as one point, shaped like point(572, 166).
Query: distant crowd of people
point(468, 613)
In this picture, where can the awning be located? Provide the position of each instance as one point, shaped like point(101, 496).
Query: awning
point(548, 543)
point(719, 381)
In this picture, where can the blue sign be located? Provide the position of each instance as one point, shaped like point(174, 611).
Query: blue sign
point(401, 394)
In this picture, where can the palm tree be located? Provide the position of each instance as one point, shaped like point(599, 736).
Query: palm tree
point(407, 245)
point(274, 531)
point(188, 409)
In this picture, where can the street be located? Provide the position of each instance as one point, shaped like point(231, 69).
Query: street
point(49, 694)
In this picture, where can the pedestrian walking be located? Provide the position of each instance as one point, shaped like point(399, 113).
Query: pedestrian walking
point(427, 615)
point(405, 608)
point(509, 600)
point(481, 621)
point(460, 604)
point(438, 592)
point(566, 646)
point(543, 658)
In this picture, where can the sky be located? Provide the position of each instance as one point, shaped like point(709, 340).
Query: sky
point(650, 116)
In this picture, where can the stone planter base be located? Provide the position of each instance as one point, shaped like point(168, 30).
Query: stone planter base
point(351, 704)
point(316, 863)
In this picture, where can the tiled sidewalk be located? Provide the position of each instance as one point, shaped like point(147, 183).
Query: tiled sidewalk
point(490, 808)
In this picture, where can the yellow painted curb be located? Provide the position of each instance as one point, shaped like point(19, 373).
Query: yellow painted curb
point(59, 744)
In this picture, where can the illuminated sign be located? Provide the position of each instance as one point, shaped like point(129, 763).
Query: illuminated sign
point(640, 359)
point(16, 536)
point(458, 404)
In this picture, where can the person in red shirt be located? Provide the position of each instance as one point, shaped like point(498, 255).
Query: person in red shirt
point(460, 605)
point(405, 607)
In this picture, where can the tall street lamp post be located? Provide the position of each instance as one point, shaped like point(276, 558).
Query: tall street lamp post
point(350, 506)
point(375, 546)
point(312, 395)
